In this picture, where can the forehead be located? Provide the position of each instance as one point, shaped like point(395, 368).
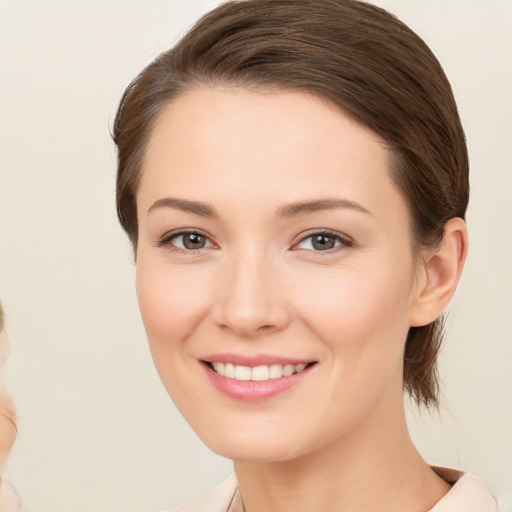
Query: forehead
point(231, 144)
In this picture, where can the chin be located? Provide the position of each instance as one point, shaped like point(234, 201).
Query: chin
point(255, 450)
point(258, 441)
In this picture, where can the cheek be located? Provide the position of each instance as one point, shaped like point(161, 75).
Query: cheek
point(171, 305)
point(360, 316)
point(359, 311)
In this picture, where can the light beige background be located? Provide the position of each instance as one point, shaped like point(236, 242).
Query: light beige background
point(97, 431)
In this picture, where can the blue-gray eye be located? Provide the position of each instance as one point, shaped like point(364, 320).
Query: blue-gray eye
point(322, 242)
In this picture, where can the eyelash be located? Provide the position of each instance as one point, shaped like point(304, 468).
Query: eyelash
point(167, 239)
point(345, 242)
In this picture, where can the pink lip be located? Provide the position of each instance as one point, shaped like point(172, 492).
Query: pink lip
point(254, 391)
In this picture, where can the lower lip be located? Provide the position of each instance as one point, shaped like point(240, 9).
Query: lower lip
point(251, 390)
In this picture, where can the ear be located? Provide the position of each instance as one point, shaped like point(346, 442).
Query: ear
point(439, 274)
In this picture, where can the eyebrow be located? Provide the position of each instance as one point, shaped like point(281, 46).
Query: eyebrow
point(304, 207)
point(289, 210)
point(197, 207)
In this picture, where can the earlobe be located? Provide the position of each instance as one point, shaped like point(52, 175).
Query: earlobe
point(440, 274)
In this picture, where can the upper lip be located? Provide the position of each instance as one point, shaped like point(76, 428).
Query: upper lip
point(254, 360)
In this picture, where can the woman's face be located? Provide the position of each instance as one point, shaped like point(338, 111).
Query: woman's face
point(275, 274)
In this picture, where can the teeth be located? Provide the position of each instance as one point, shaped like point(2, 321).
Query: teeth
point(287, 370)
point(260, 373)
point(275, 371)
point(229, 371)
point(242, 373)
point(256, 373)
point(219, 368)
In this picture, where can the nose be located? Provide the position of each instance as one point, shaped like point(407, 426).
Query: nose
point(250, 300)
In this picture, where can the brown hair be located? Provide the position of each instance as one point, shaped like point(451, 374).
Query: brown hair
point(358, 56)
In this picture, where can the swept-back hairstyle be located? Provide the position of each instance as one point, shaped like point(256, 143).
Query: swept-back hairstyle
point(359, 57)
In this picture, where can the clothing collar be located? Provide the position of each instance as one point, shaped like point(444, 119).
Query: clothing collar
point(468, 493)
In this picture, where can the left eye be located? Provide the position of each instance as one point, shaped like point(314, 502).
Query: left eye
point(322, 242)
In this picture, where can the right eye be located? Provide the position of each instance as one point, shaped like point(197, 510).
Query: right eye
point(185, 241)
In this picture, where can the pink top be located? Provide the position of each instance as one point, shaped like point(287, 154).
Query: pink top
point(468, 494)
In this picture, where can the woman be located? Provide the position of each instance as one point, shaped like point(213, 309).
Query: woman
point(293, 176)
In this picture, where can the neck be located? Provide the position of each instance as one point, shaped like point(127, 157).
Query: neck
point(375, 467)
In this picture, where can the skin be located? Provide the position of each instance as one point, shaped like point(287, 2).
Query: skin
point(259, 286)
point(9, 498)
point(8, 430)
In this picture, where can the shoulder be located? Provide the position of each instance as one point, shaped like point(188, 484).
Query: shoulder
point(468, 494)
point(217, 499)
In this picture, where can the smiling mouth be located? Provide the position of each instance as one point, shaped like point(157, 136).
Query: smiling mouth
point(256, 373)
